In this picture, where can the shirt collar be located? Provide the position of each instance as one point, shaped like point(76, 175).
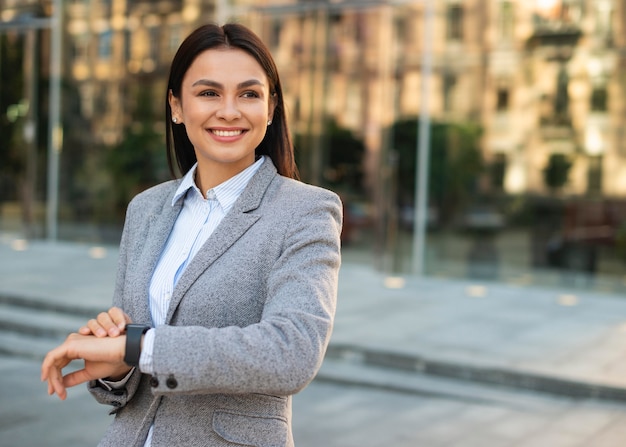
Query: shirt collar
point(226, 192)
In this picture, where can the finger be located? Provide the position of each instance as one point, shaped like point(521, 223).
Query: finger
point(84, 330)
point(107, 323)
point(55, 384)
point(120, 318)
point(56, 360)
point(94, 328)
point(59, 388)
point(76, 378)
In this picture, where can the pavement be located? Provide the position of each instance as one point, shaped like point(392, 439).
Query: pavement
point(427, 335)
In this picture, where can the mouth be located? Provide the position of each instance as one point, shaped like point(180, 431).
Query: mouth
point(227, 133)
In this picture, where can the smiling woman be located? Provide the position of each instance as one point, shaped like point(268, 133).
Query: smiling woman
point(277, 140)
point(227, 280)
point(225, 113)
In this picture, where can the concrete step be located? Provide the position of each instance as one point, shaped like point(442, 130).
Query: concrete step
point(470, 372)
point(414, 383)
point(31, 333)
point(39, 323)
point(26, 346)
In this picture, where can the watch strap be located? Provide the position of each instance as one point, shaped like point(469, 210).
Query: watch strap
point(134, 333)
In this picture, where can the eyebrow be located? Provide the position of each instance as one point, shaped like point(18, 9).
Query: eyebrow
point(244, 84)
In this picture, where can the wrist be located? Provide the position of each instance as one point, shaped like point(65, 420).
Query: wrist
point(134, 343)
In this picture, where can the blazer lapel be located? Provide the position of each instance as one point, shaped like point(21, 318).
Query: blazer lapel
point(232, 227)
point(160, 224)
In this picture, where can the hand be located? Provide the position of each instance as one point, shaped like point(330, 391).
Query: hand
point(103, 357)
point(110, 323)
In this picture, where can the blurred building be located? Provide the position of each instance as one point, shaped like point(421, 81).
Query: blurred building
point(541, 77)
point(526, 100)
point(113, 46)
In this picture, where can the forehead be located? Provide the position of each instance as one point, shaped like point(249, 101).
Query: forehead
point(225, 65)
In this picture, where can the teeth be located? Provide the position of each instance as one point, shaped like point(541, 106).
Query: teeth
point(227, 133)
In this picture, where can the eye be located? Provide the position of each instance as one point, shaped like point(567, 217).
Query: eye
point(208, 93)
point(250, 94)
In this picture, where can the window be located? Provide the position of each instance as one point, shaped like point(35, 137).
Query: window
point(594, 175)
point(497, 171)
point(175, 38)
point(599, 98)
point(155, 39)
point(502, 101)
point(80, 47)
point(276, 29)
point(449, 82)
point(104, 44)
point(506, 20)
point(603, 18)
point(454, 22)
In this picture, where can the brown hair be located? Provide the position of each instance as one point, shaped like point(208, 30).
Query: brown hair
point(277, 142)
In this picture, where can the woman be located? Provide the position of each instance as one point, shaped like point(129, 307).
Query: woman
point(228, 275)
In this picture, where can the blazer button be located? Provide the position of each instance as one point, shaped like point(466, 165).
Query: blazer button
point(171, 382)
point(154, 382)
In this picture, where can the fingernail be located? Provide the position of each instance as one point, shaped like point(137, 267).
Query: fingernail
point(114, 332)
point(101, 332)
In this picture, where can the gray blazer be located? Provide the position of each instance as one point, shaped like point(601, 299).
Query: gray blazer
point(248, 323)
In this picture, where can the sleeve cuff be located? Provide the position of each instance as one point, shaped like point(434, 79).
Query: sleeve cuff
point(145, 359)
point(119, 384)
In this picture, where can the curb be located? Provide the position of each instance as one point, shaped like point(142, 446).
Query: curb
point(42, 305)
point(520, 380)
point(355, 354)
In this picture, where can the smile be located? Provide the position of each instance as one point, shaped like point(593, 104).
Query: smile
point(227, 133)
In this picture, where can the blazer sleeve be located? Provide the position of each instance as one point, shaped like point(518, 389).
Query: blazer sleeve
point(282, 352)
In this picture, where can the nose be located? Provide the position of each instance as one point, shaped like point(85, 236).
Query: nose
point(228, 109)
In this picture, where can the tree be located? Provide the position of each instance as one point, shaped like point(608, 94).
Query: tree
point(12, 161)
point(343, 156)
point(455, 163)
point(556, 172)
point(139, 160)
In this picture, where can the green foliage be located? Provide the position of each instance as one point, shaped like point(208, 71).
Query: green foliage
point(342, 155)
point(344, 162)
point(455, 162)
point(12, 159)
point(139, 160)
point(556, 173)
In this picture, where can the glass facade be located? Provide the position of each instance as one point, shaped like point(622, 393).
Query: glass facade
point(525, 180)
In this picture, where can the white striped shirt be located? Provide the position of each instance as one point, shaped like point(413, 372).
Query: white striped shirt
point(200, 215)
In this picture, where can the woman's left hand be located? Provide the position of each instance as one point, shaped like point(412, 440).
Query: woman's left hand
point(103, 357)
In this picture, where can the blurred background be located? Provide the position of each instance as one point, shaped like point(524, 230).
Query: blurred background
point(467, 138)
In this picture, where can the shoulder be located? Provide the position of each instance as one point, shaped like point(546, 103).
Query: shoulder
point(154, 197)
point(294, 201)
point(296, 190)
point(294, 194)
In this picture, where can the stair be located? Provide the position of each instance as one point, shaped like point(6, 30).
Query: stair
point(28, 331)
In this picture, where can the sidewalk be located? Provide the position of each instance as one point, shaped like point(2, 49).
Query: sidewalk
point(558, 341)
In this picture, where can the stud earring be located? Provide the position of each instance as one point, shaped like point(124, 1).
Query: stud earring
point(175, 120)
point(269, 123)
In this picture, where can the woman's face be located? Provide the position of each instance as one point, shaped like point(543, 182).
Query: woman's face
point(225, 104)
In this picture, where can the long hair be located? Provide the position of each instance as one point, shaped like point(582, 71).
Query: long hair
point(277, 142)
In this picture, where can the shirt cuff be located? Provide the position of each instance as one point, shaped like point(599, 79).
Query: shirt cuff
point(145, 359)
point(115, 385)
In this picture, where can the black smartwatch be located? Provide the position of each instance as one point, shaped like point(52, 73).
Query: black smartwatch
point(134, 333)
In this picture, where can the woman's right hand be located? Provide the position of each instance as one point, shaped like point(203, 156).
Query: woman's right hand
point(111, 323)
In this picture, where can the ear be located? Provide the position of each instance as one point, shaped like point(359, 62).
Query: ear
point(271, 107)
point(177, 109)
